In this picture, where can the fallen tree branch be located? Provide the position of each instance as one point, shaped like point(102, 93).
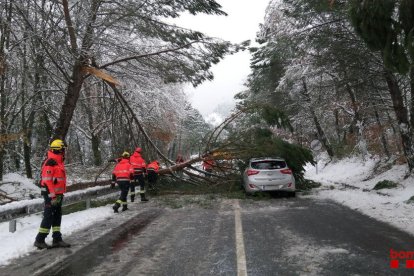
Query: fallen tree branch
point(220, 128)
point(180, 166)
point(197, 176)
point(7, 197)
point(141, 128)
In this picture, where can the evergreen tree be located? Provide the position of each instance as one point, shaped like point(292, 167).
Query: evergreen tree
point(391, 35)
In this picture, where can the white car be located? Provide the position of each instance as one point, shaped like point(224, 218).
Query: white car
point(268, 174)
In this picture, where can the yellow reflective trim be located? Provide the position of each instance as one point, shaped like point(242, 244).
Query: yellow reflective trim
point(142, 191)
point(56, 228)
point(132, 193)
point(44, 230)
point(118, 201)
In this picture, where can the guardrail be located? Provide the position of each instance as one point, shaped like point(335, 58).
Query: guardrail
point(31, 208)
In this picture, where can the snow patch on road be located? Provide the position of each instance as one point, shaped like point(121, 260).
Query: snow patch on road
point(331, 250)
point(309, 257)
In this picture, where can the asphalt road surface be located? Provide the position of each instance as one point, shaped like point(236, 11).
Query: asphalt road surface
point(228, 237)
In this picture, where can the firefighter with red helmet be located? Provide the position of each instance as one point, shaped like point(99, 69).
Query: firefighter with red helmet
point(122, 175)
point(139, 166)
point(53, 186)
point(152, 171)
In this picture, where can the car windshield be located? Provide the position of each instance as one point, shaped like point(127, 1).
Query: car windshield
point(268, 165)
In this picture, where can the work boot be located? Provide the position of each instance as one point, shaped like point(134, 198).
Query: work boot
point(124, 208)
point(116, 207)
point(41, 245)
point(132, 198)
point(143, 199)
point(60, 243)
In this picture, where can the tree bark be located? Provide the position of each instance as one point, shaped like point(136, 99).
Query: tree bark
point(95, 141)
point(412, 99)
point(69, 104)
point(321, 134)
point(402, 117)
point(78, 75)
point(97, 158)
point(27, 123)
point(383, 138)
point(4, 43)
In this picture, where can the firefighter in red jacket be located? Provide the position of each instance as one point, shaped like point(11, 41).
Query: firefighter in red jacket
point(208, 165)
point(53, 186)
point(139, 166)
point(152, 171)
point(122, 175)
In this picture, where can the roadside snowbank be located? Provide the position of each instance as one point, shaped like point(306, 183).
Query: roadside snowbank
point(18, 187)
point(16, 244)
point(345, 182)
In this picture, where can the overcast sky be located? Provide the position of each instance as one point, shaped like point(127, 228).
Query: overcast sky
point(242, 23)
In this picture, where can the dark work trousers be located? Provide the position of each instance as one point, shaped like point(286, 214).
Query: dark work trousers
point(124, 187)
point(132, 190)
point(52, 217)
point(139, 179)
point(208, 175)
point(152, 176)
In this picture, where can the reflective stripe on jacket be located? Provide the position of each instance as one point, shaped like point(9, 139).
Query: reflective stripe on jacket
point(153, 166)
point(54, 174)
point(123, 170)
point(137, 163)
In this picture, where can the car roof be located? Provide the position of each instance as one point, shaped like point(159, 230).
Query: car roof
point(267, 158)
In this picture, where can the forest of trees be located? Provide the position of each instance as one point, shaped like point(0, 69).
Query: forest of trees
point(105, 74)
point(338, 71)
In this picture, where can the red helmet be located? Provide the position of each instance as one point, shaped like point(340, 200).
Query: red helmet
point(138, 150)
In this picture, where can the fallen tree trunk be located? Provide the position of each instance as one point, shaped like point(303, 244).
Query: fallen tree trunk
point(180, 166)
point(169, 170)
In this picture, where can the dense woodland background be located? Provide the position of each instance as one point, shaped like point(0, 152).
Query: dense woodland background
point(107, 76)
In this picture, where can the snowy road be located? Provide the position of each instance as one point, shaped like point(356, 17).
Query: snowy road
point(279, 237)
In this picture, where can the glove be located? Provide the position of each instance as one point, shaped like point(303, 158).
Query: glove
point(112, 184)
point(56, 200)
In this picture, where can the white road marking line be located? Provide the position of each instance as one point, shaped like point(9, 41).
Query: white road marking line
point(241, 254)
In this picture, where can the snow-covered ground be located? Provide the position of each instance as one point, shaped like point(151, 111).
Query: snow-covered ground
point(388, 205)
point(20, 242)
point(18, 187)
